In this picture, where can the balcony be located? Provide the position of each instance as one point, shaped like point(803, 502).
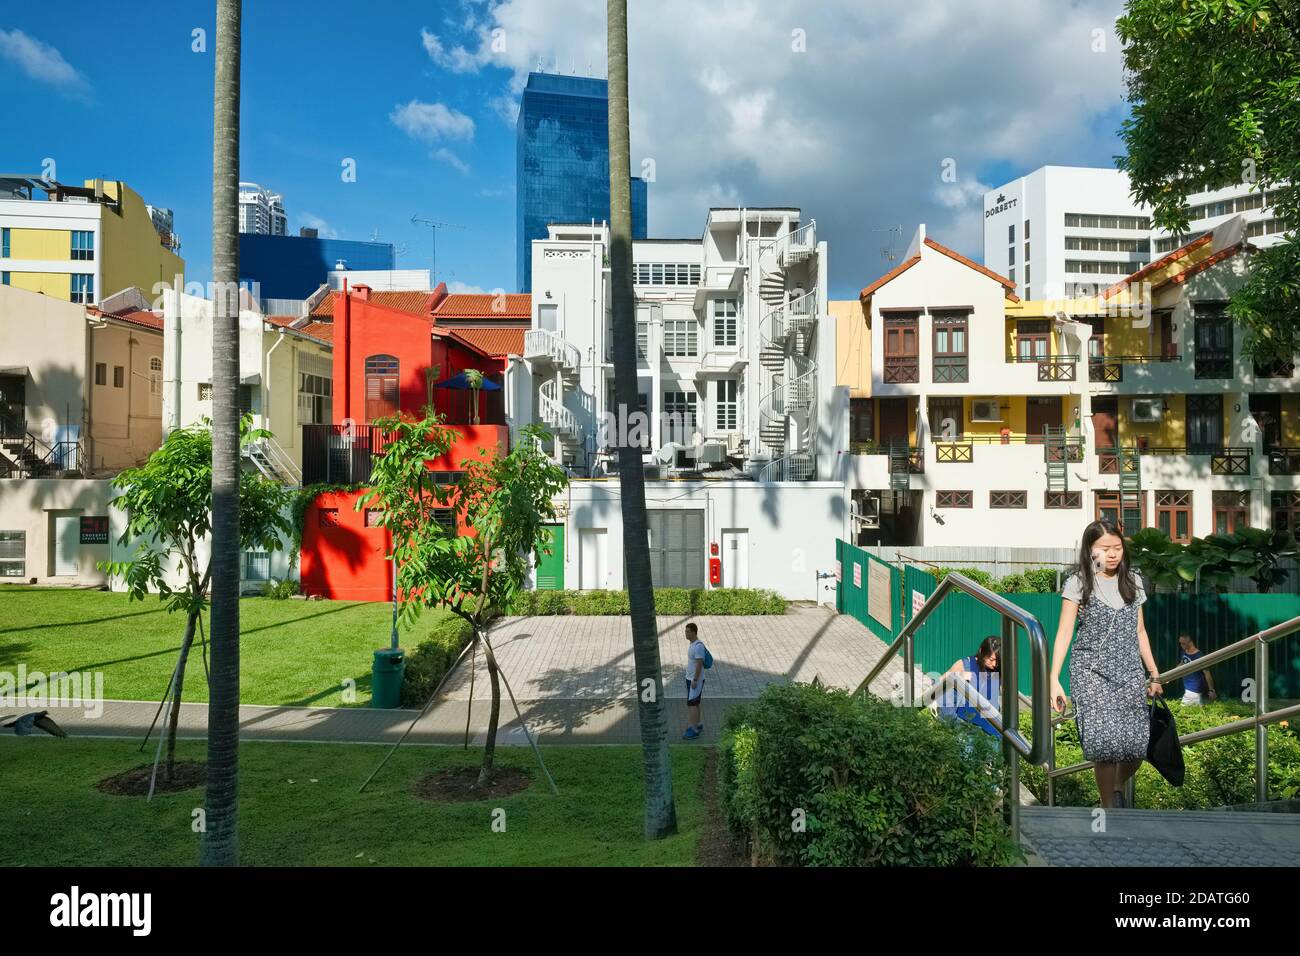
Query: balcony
point(902, 371)
point(954, 452)
point(1213, 363)
point(1228, 460)
point(951, 368)
point(1110, 368)
point(1277, 368)
point(1051, 368)
point(1283, 460)
point(340, 454)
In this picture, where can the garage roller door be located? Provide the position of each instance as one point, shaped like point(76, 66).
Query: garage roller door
point(677, 548)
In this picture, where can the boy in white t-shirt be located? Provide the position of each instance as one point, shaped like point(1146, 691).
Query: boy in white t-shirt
point(694, 682)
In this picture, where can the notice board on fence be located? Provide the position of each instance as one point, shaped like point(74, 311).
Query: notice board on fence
point(879, 598)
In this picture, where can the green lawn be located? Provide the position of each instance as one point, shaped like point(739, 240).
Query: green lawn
point(299, 806)
point(291, 652)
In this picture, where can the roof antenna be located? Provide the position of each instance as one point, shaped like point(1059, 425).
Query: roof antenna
point(434, 226)
point(887, 252)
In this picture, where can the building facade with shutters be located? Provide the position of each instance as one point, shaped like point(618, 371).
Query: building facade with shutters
point(999, 421)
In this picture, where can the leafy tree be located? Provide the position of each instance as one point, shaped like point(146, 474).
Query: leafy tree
point(660, 810)
point(168, 507)
point(503, 501)
point(1214, 560)
point(1214, 90)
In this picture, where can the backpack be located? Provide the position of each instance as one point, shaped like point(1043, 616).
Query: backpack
point(708, 658)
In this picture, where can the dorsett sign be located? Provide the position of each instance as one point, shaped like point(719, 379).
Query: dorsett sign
point(1001, 204)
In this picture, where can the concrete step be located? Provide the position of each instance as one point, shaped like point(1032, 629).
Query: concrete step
point(1088, 836)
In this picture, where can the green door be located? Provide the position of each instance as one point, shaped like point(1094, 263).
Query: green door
point(550, 570)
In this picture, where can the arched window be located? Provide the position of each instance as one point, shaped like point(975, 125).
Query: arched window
point(155, 364)
point(381, 386)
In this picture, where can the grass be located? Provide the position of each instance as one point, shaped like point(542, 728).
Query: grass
point(299, 806)
point(291, 652)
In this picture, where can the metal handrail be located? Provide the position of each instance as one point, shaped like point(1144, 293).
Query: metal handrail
point(1257, 643)
point(1013, 743)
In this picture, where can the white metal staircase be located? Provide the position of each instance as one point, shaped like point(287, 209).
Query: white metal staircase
point(787, 409)
point(560, 421)
point(544, 347)
point(273, 461)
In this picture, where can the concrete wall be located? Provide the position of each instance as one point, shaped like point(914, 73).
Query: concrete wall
point(792, 526)
point(34, 506)
point(852, 346)
point(125, 421)
point(132, 251)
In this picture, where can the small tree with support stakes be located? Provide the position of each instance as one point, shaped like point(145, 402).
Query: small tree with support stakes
point(168, 506)
point(504, 500)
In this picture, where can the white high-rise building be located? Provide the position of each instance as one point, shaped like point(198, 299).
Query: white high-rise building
point(261, 211)
point(1063, 230)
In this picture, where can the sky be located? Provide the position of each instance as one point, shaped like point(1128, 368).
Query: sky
point(872, 116)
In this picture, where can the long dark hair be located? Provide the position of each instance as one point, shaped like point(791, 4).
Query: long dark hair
point(1091, 534)
point(990, 645)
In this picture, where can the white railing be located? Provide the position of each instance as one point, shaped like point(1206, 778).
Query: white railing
point(561, 419)
point(793, 246)
point(277, 459)
point(544, 342)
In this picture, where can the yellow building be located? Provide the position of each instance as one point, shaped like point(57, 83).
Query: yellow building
point(853, 365)
point(82, 243)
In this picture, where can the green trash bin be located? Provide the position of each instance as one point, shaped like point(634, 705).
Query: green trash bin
point(386, 678)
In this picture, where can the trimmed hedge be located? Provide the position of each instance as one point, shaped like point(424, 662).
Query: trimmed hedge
point(677, 602)
point(1220, 772)
point(432, 658)
point(1032, 581)
point(873, 784)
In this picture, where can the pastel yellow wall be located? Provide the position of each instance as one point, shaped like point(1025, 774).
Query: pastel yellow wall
point(1290, 420)
point(40, 244)
point(132, 254)
point(1170, 431)
point(1015, 417)
point(55, 284)
point(1123, 338)
point(852, 346)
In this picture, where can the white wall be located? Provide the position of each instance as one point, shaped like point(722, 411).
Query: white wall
point(792, 526)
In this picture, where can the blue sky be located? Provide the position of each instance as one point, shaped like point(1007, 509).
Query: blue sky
point(852, 127)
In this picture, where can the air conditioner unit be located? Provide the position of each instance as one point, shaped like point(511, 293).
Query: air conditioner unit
point(1146, 409)
point(985, 410)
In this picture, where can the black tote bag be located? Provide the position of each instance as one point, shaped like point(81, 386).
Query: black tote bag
point(1164, 752)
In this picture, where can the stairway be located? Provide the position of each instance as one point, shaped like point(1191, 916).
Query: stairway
point(787, 408)
point(900, 456)
point(560, 421)
point(273, 462)
point(1077, 836)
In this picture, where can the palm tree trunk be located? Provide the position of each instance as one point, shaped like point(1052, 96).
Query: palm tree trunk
point(220, 845)
point(490, 745)
point(173, 718)
point(660, 813)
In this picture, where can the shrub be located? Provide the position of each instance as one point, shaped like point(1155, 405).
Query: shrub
point(432, 658)
point(1013, 584)
point(982, 578)
point(1041, 580)
point(676, 602)
point(1220, 772)
point(880, 785)
point(279, 590)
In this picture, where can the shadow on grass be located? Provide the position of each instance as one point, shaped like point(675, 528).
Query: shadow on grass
point(81, 622)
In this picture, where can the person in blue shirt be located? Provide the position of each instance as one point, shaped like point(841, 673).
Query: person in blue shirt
point(983, 671)
point(1198, 684)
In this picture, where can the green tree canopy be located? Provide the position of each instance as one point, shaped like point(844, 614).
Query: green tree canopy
point(1214, 91)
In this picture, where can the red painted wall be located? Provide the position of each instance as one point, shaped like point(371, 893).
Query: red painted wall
point(341, 558)
point(376, 330)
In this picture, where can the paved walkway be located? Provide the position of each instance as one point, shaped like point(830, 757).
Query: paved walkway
point(1064, 836)
point(574, 680)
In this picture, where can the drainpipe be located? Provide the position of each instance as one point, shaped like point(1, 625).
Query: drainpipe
point(172, 330)
point(345, 334)
point(266, 382)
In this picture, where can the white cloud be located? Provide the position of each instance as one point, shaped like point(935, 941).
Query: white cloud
point(457, 59)
point(41, 61)
point(855, 129)
point(432, 122)
point(444, 155)
point(455, 287)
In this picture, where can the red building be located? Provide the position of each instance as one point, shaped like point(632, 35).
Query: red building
point(390, 352)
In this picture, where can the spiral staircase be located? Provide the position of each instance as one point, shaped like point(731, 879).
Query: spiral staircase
point(551, 353)
point(787, 409)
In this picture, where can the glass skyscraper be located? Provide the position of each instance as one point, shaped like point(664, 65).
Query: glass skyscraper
point(562, 162)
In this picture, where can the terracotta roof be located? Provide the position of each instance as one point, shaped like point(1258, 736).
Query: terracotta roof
point(147, 320)
point(416, 303)
point(1205, 263)
point(493, 341)
point(893, 273)
point(1159, 264)
point(486, 305)
point(282, 320)
point(952, 254)
point(324, 331)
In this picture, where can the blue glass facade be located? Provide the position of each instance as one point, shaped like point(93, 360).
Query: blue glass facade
point(562, 162)
point(293, 267)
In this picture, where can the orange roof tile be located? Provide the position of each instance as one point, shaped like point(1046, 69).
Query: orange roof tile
point(324, 331)
point(486, 305)
point(416, 303)
point(1204, 264)
point(493, 341)
point(148, 320)
point(893, 273)
point(1159, 264)
point(952, 254)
